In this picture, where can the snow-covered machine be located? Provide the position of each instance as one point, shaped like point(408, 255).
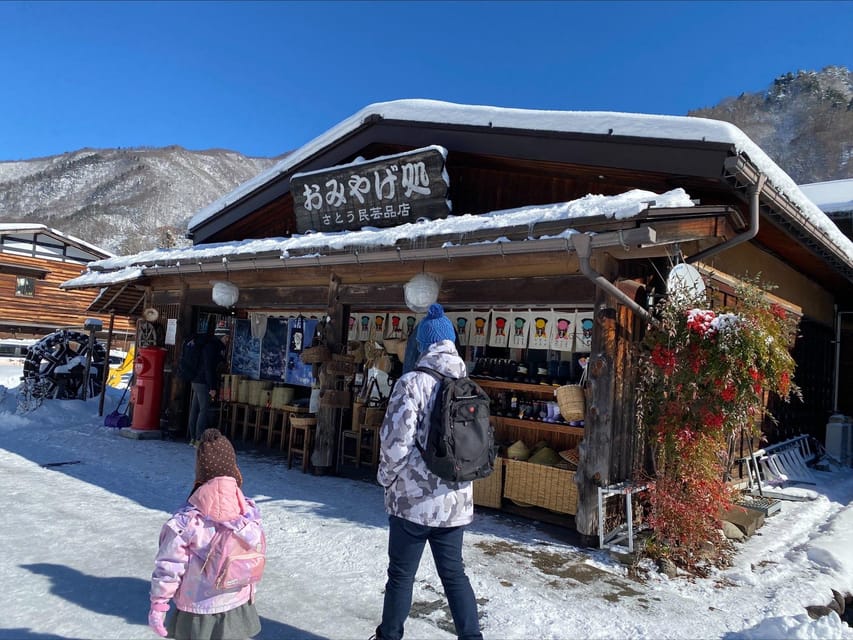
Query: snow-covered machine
point(55, 366)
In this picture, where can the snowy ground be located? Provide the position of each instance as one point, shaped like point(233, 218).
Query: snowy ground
point(83, 508)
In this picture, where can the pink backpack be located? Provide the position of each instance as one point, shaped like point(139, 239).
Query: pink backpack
point(230, 563)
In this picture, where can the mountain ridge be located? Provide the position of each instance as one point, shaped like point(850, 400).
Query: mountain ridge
point(131, 199)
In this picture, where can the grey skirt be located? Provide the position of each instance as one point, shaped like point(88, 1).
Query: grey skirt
point(235, 624)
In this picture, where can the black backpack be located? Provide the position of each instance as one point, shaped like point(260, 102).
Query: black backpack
point(190, 361)
point(461, 442)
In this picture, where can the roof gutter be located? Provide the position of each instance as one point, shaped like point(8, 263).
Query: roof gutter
point(751, 231)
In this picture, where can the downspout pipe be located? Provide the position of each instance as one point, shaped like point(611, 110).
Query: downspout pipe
point(751, 231)
point(583, 245)
point(837, 373)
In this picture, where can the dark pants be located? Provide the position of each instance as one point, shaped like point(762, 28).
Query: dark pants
point(406, 542)
point(199, 410)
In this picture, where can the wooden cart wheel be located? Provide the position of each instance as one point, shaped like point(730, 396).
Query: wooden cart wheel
point(147, 335)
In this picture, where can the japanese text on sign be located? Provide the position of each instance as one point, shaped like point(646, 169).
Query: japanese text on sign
point(382, 193)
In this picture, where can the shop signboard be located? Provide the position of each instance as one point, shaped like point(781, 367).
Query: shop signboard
point(384, 192)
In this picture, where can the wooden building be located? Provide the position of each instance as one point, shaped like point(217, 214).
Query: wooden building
point(541, 211)
point(34, 261)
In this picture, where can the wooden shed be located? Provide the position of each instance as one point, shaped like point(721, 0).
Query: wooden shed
point(34, 261)
point(570, 219)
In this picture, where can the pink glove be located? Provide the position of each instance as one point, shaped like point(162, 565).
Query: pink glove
point(156, 617)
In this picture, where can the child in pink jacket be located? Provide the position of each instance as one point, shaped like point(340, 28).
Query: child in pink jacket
point(216, 502)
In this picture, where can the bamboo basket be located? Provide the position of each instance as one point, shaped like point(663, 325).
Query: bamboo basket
point(571, 401)
point(281, 396)
point(303, 421)
point(235, 387)
point(488, 491)
point(547, 487)
point(339, 367)
point(320, 353)
point(243, 391)
point(225, 386)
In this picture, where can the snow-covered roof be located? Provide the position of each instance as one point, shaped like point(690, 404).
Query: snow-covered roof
point(616, 207)
point(583, 122)
point(35, 228)
point(832, 196)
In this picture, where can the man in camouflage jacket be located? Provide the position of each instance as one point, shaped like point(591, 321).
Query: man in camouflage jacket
point(421, 506)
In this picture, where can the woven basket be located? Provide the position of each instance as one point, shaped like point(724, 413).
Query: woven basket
point(339, 367)
point(540, 486)
point(320, 353)
point(571, 402)
point(488, 491)
point(335, 398)
point(303, 421)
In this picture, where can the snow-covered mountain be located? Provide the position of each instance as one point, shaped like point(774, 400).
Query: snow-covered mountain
point(124, 200)
point(129, 200)
point(804, 121)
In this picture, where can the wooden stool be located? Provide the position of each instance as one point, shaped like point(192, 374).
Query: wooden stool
point(368, 445)
point(351, 438)
point(301, 436)
point(261, 423)
point(288, 411)
point(225, 409)
point(250, 418)
point(238, 415)
point(277, 427)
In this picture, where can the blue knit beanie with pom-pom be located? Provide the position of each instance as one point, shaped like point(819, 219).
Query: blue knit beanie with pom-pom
point(435, 327)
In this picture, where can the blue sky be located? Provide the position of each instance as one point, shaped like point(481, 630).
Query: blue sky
point(263, 78)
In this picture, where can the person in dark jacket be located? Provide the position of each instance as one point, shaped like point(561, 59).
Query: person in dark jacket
point(205, 382)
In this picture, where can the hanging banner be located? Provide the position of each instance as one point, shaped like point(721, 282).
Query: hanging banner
point(478, 332)
point(362, 326)
point(297, 372)
point(563, 334)
point(541, 323)
point(378, 321)
point(410, 321)
point(583, 331)
point(499, 328)
point(394, 326)
point(274, 349)
point(246, 352)
point(352, 327)
point(462, 322)
point(519, 328)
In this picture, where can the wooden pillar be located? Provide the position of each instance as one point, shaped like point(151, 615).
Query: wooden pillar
point(106, 375)
point(596, 448)
point(325, 437)
point(179, 389)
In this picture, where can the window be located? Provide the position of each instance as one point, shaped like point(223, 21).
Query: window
point(25, 287)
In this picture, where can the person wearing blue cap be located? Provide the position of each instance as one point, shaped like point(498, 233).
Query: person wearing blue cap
point(423, 508)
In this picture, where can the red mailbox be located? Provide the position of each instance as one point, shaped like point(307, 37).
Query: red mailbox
point(148, 388)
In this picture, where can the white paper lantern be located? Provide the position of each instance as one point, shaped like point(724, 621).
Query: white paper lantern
point(421, 291)
point(225, 294)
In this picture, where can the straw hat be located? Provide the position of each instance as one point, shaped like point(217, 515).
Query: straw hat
point(518, 451)
point(545, 456)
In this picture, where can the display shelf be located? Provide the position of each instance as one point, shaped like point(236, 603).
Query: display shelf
point(539, 425)
point(507, 385)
